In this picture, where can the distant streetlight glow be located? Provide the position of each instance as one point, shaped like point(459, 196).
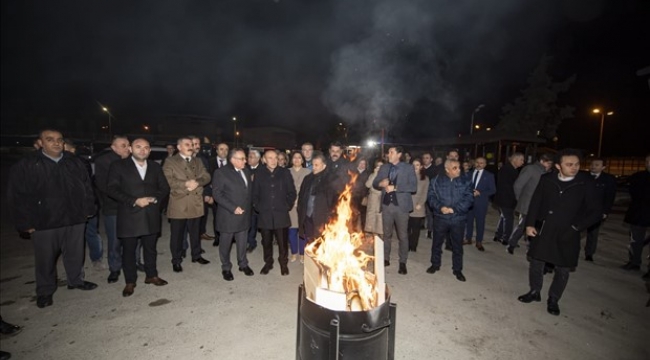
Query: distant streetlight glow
point(471, 126)
point(602, 125)
point(371, 143)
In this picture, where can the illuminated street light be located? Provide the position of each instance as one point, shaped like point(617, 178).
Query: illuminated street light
point(602, 125)
point(234, 130)
point(471, 126)
point(110, 125)
point(371, 143)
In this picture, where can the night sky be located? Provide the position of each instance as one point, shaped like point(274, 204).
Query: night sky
point(416, 68)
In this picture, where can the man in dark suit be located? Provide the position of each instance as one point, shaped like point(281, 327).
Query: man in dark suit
point(505, 197)
point(232, 190)
point(214, 163)
point(483, 187)
point(273, 196)
point(253, 164)
point(606, 192)
point(430, 172)
point(397, 182)
point(638, 216)
point(138, 185)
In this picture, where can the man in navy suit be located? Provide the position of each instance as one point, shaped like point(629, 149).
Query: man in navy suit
point(483, 186)
point(397, 181)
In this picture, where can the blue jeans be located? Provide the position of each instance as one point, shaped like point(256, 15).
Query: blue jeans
point(296, 242)
point(114, 244)
point(93, 239)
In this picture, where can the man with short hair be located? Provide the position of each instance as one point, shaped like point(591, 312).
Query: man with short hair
point(208, 201)
point(563, 205)
point(186, 177)
point(505, 197)
point(307, 150)
point(232, 190)
point(273, 196)
point(338, 167)
point(50, 196)
point(439, 168)
point(253, 164)
point(524, 188)
point(483, 187)
point(606, 192)
point(396, 180)
point(120, 150)
point(316, 200)
point(451, 197)
point(138, 184)
point(215, 163)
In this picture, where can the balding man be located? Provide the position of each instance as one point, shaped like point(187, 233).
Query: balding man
point(505, 197)
point(483, 187)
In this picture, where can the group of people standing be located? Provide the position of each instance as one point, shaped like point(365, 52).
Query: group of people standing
point(52, 196)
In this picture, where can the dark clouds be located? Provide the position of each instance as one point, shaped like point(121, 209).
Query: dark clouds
point(301, 64)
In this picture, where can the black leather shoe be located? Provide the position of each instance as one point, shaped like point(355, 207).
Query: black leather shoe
point(589, 258)
point(43, 301)
point(480, 247)
point(630, 266)
point(227, 275)
point(139, 266)
point(505, 243)
point(552, 307)
point(5, 355)
point(459, 276)
point(184, 254)
point(177, 268)
point(284, 270)
point(386, 263)
point(402, 269)
point(496, 239)
point(510, 250)
point(265, 270)
point(9, 329)
point(86, 285)
point(201, 261)
point(113, 277)
point(247, 271)
point(429, 235)
point(530, 297)
point(250, 249)
point(202, 251)
point(646, 276)
point(432, 269)
point(155, 281)
point(215, 242)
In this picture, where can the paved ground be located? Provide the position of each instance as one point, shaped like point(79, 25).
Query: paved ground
point(200, 316)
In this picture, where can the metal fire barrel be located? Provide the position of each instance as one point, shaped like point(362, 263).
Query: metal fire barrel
point(325, 334)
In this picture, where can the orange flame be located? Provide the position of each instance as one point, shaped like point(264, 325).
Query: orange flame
point(345, 265)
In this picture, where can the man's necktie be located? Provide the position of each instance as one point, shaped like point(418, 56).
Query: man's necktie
point(220, 163)
point(243, 177)
point(188, 160)
point(475, 178)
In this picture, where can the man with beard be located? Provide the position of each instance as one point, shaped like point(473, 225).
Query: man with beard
point(563, 205)
point(138, 194)
point(273, 196)
point(338, 167)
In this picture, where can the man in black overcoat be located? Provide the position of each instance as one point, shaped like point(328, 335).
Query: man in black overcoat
point(139, 186)
point(273, 196)
point(316, 200)
point(563, 204)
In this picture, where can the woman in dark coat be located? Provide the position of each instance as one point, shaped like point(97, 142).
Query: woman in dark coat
point(563, 204)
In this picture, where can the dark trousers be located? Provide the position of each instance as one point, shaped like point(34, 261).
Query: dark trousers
point(592, 239)
point(226, 245)
point(177, 229)
point(252, 232)
point(149, 254)
point(638, 240)
point(48, 245)
point(415, 225)
point(504, 227)
point(429, 216)
point(536, 279)
point(282, 236)
point(93, 240)
point(203, 225)
point(518, 231)
point(477, 215)
point(453, 230)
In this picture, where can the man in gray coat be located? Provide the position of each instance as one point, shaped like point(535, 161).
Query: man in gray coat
point(524, 188)
point(232, 190)
point(397, 182)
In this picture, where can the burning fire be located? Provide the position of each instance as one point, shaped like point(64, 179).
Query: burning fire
point(344, 265)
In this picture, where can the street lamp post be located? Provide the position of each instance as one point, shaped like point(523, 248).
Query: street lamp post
point(110, 125)
point(471, 126)
point(234, 130)
point(602, 126)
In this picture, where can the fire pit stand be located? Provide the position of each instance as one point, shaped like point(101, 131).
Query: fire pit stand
point(324, 334)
